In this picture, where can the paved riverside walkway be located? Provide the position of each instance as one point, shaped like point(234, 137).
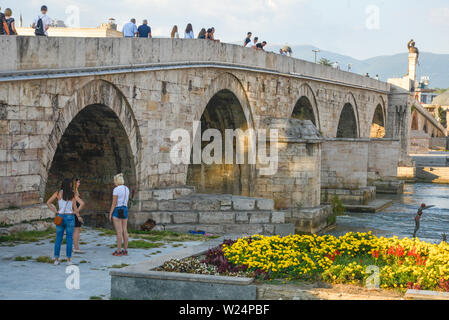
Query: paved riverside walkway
point(31, 280)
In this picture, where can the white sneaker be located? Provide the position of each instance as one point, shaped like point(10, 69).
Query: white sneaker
point(78, 251)
point(56, 262)
point(69, 263)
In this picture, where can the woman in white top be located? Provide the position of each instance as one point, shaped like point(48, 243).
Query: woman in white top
point(67, 200)
point(188, 34)
point(119, 214)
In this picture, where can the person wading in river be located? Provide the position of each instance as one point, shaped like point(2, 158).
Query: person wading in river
point(418, 217)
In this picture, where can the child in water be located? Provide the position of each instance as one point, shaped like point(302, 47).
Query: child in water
point(418, 217)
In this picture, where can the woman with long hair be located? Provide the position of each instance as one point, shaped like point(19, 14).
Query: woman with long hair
point(188, 34)
point(119, 214)
point(78, 223)
point(67, 200)
point(174, 32)
point(202, 34)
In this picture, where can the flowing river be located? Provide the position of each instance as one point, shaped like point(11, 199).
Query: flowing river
point(398, 220)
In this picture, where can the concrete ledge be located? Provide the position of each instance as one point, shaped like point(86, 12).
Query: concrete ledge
point(426, 295)
point(141, 282)
point(372, 207)
point(138, 288)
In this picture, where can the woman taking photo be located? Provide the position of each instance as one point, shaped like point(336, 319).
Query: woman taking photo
point(78, 223)
point(119, 214)
point(67, 200)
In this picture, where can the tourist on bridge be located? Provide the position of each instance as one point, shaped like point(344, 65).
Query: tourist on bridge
point(210, 35)
point(418, 217)
point(247, 40)
point(256, 39)
point(261, 45)
point(10, 23)
point(188, 33)
point(119, 214)
point(42, 23)
point(202, 34)
point(144, 31)
point(78, 224)
point(286, 50)
point(174, 32)
point(2, 23)
point(129, 29)
point(65, 217)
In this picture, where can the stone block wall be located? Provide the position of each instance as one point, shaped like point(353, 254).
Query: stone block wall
point(344, 163)
point(419, 142)
point(383, 159)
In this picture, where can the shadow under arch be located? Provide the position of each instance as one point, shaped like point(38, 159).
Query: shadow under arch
point(227, 107)
point(95, 137)
point(378, 123)
point(306, 106)
point(348, 119)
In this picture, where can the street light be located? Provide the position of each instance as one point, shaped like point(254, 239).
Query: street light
point(316, 51)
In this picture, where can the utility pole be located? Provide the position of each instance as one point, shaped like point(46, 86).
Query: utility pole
point(316, 51)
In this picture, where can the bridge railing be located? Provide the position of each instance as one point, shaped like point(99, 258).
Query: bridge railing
point(34, 55)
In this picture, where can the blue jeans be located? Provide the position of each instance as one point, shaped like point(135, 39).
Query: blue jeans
point(67, 225)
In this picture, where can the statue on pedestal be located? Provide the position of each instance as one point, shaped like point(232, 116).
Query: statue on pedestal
point(411, 47)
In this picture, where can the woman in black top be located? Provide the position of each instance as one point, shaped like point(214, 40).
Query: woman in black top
point(10, 22)
point(202, 34)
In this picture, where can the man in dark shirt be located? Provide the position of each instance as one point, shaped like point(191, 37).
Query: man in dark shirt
point(2, 20)
point(260, 45)
point(144, 31)
point(418, 217)
point(247, 39)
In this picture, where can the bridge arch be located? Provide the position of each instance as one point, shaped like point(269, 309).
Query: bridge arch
point(306, 107)
point(378, 122)
point(348, 119)
point(224, 106)
point(95, 136)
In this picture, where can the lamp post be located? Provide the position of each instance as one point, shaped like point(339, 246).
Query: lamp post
point(316, 51)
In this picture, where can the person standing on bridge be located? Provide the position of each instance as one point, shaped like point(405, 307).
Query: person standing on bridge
point(247, 41)
point(10, 23)
point(2, 23)
point(261, 45)
point(129, 29)
point(119, 214)
point(202, 34)
point(144, 31)
point(188, 33)
point(418, 217)
point(256, 39)
point(174, 32)
point(42, 23)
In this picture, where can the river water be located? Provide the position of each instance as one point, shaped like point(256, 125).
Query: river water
point(399, 218)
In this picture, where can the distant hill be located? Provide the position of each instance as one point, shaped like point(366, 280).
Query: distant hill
point(436, 66)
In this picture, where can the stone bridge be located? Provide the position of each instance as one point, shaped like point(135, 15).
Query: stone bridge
point(93, 107)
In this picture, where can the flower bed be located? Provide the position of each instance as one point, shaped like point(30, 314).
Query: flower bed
point(403, 263)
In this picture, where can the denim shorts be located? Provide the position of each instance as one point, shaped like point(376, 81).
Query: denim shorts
point(125, 212)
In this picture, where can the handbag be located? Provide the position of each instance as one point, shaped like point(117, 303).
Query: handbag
point(58, 219)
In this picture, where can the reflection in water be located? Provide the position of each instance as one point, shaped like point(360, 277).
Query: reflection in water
point(399, 218)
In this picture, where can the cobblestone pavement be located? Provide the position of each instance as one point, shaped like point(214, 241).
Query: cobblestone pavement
point(31, 280)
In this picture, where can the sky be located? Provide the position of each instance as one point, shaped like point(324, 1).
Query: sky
point(358, 28)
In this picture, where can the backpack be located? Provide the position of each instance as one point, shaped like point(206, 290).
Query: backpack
point(39, 28)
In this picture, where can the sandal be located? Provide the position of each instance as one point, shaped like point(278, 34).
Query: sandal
point(124, 252)
point(117, 253)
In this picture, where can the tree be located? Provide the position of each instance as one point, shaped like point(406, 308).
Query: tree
point(325, 62)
